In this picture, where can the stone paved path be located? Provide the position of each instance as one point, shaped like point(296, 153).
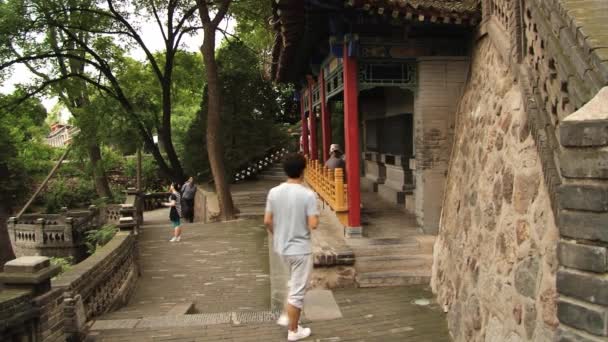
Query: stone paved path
point(219, 267)
point(223, 269)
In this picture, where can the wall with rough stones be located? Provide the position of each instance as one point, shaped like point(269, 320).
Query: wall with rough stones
point(495, 257)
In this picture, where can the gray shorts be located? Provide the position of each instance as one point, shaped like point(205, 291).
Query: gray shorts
point(300, 269)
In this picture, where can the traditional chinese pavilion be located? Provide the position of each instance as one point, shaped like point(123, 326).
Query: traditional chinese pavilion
point(396, 70)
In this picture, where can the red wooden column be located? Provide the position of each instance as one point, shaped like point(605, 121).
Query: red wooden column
point(325, 117)
point(304, 125)
point(314, 150)
point(351, 140)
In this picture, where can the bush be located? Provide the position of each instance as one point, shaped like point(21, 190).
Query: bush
point(151, 179)
point(68, 192)
point(64, 263)
point(99, 237)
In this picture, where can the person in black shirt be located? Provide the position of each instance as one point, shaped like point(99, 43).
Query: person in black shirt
point(175, 213)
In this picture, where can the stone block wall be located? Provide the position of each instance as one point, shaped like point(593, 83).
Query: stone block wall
point(583, 217)
point(29, 309)
point(496, 254)
point(99, 284)
point(50, 320)
point(440, 84)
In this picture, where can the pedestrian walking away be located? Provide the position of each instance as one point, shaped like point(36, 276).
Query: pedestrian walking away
point(291, 215)
point(175, 213)
point(188, 193)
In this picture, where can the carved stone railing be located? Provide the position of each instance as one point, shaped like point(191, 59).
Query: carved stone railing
point(63, 235)
point(101, 283)
point(329, 184)
point(54, 235)
point(259, 164)
point(30, 310)
point(34, 308)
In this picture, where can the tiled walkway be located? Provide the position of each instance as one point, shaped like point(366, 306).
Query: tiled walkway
point(222, 269)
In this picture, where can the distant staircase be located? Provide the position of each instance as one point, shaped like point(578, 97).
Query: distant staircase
point(393, 262)
point(258, 165)
point(274, 173)
point(251, 204)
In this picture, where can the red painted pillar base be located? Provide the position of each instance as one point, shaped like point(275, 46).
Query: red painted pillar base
point(351, 139)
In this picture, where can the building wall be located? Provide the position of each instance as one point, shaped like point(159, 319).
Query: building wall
point(495, 257)
point(440, 83)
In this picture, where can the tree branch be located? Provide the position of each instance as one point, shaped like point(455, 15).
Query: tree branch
point(158, 21)
point(138, 39)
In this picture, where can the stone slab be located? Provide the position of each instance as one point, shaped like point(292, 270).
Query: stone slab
point(114, 324)
point(565, 334)
point(320, 305)
point(585, 163)
point(181, 309)
point(27, 264)
point(41, 276)
point(583, 257)
point(590, 287)
point(584, 225)
point(584, 197)
point(584, 316)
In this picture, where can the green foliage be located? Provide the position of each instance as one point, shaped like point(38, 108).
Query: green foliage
point(248, 116)
point(151, 180)
point(24, 159)
point(72, 192)
point(64, 263)
point(99, 237)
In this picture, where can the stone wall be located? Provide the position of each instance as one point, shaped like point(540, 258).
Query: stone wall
point(29, 309)
point(495, 257)
point(99, 284)
point(440, 83)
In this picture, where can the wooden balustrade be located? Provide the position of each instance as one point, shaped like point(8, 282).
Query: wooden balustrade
point(329, 184)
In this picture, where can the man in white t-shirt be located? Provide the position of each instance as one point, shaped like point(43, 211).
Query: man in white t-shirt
point(291, 215)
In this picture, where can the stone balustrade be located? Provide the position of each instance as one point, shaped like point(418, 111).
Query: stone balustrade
point(34, 308)
point(63, 235)
point(100, 283)
point(30, 309)
point(55, 235)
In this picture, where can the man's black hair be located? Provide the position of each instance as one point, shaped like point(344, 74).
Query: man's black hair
point(294, 165)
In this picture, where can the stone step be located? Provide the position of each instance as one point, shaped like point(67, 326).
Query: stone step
point(383, 241)
point(195, 320)
point(393, 278)
point(250, 214)
point(272, 178)
point(273, 173)
point(393, 263)
point(392, 250)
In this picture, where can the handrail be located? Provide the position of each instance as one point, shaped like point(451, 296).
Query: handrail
point(329, 184)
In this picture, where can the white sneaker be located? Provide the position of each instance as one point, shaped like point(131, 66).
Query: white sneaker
point(283, 320)
point(298, 335)
point(178, 239)
point(173, 239)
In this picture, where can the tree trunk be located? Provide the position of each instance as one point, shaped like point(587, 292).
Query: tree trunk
point(213, 134)
point(165, 131)
point(6, 250)
point(99, 174)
